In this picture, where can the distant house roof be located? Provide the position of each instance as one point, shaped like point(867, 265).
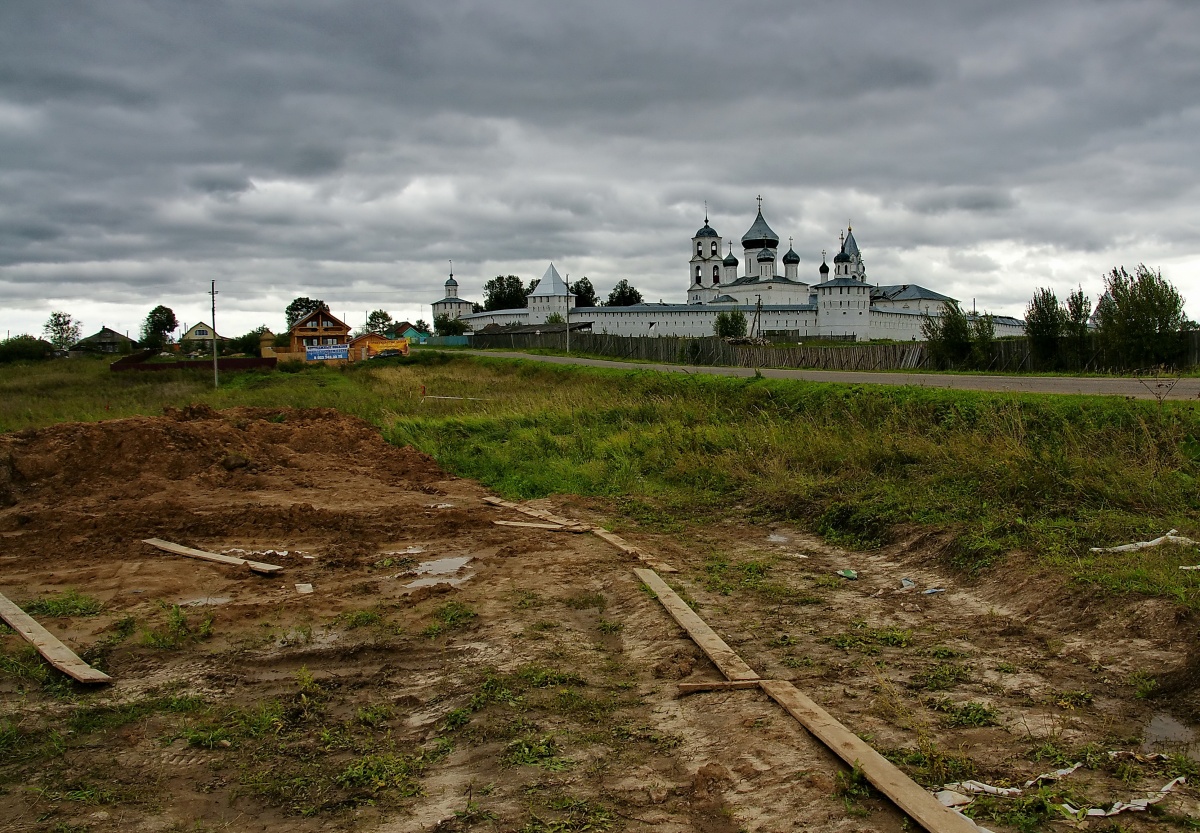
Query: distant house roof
point(907, 292)
point(106, 335)
point(367, 338)
point(192, 335)
point(319, 315)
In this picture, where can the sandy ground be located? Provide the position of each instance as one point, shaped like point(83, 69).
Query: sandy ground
point(532, 685)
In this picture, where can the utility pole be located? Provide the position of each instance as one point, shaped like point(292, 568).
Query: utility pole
point(568, 283)
point(213, 292)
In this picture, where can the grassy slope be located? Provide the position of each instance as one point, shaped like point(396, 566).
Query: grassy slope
point(1051, 476)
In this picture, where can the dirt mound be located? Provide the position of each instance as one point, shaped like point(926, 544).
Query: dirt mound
point(239, 447)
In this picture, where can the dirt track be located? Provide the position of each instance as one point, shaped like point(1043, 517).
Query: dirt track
point(372, 705)
point(1185, 388)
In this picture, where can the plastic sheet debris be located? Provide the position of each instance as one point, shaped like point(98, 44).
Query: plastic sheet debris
point(304, 588)
point(440, 506)
point(951, 798)
point(961, 794)
point(978, 787)
point(933, 590)
point(907, 584)
point(1172, 537)
point(1140, 757)
point(1052, 776)
point(850, 574)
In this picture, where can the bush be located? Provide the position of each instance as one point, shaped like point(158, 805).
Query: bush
point(24, 348)
point(731, 324)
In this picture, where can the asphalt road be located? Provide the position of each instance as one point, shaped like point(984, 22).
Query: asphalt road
point(1185, 388)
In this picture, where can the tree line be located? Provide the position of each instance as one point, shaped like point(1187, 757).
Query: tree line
point(1139, 322)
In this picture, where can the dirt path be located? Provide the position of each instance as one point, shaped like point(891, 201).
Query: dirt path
point(1186, 388)
point(532, 687)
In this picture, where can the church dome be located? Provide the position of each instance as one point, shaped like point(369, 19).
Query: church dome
point(706, 231)
point(760, 234)
point(841, 257)
point(451, 281)
point(791, 257)
point(730, 260)
point(824, 270)
point(765, 255)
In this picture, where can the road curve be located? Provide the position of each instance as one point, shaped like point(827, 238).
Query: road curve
point(1185, 388)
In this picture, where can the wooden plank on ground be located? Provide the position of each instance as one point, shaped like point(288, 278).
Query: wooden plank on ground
point(179, 549)
point(717, 685)
point(534, 525)
point(730, 664)
point(48, 645)
point(629, 549)
point(616, 540)
point(909, 796)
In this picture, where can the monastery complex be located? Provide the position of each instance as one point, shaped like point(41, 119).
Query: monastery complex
point(840, 304)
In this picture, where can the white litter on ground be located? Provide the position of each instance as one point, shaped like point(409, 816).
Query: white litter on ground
point(1172, 537)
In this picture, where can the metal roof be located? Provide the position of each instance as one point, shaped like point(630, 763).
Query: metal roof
point(706, 231)
point(760, 234)
point(551, 284)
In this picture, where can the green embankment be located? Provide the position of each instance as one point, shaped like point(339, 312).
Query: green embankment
point(1049, 476)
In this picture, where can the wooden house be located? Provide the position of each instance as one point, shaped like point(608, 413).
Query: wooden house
point(320, 328)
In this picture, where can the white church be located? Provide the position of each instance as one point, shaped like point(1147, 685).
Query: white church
point(841, 305)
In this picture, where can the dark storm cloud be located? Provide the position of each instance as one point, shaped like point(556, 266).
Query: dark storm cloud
point(351, 149)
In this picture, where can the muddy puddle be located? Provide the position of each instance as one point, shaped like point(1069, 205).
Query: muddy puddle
point(441, 571)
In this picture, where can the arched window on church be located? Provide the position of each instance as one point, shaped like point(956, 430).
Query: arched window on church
point(716, 274)
point(697, 274)
point(699, 248)
point(714, 248)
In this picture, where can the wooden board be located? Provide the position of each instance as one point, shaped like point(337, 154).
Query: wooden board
point(909, 796)
point(178, 549)
point(730, 664)
point(616, 540)
point(625, 547)
point(48, 645)
point(533, 525)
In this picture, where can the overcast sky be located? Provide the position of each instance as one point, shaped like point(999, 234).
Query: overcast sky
point(348, 150)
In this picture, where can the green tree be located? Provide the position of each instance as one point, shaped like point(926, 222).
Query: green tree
point(159, 321)
point(983, 335)
point(444, 325)
point(504, 292)
point(730, 324)
point(248, 343)
point(61, 330)
point(624, 295)
point(301, 307)
point(378, 322)
point(585, 293)
point(947, 336)
point(1141, 318)
point(420, 324)
point(1045, 320)
point(555, 318)
point(1078, 312)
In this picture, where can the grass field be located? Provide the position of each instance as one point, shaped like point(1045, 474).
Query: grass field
point(996, 473)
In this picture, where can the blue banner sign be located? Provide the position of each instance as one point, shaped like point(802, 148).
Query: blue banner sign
point(330, 351)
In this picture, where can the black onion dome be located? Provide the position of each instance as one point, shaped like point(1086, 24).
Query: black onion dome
point(791, 257)
point(824, 270)
point(730, 260)
point(760, 235)
point(706, 231)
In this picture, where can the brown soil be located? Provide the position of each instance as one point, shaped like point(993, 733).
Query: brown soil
point(564, 645)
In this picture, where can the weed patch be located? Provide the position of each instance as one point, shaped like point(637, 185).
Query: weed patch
point(67, 603)
point(450, 617)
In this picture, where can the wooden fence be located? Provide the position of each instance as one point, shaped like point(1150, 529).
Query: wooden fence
point(1007, 355)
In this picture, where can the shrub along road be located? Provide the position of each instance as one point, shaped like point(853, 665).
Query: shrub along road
point(1185, 388)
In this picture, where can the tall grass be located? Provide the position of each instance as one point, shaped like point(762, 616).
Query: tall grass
point(1051, 476)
